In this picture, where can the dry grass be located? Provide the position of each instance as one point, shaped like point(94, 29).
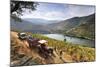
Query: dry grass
point(78, 53)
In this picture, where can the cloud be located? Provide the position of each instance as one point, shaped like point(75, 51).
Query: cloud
point(59, 11)
point(80, 10)
point(54, 15)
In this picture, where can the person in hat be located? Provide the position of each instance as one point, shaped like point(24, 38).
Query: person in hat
point(45, 49)
point(43, 45)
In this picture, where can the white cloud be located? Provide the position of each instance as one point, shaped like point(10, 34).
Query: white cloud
point(54, 15)
point(80, 10)
point(69, 12)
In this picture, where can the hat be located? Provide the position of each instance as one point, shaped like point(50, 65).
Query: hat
point(42, 41)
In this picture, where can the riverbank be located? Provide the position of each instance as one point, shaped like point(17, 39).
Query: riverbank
point(80, 37)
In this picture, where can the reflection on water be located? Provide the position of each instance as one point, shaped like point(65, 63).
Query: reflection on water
point(75, 40)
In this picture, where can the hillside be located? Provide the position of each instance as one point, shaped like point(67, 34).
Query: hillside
point(76, 26)
point(27, 26)
point(64, 25)
point(39, 21)
point(84, 30)
point(21, 54)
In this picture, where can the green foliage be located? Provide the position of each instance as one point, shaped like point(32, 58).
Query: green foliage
point(17, 6)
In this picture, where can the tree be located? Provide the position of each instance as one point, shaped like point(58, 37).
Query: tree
point(18, 6)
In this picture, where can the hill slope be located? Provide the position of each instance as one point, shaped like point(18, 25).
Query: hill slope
point(86, 29)
point(27, 26)
point(76, 26)
point(21, 54)
point(65, 25)
point(39, 21)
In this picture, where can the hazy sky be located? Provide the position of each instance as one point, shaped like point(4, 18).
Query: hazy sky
point(52, 11)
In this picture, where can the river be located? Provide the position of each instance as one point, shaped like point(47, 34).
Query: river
point(74, 40)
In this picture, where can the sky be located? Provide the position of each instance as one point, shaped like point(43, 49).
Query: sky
point(56, 11)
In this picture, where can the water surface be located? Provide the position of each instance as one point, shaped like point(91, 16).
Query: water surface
point(74, 40)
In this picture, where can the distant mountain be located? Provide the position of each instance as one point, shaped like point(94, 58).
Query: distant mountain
point(28, 26)
point(76, 26)
point(39, 21)
point(67, 24)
